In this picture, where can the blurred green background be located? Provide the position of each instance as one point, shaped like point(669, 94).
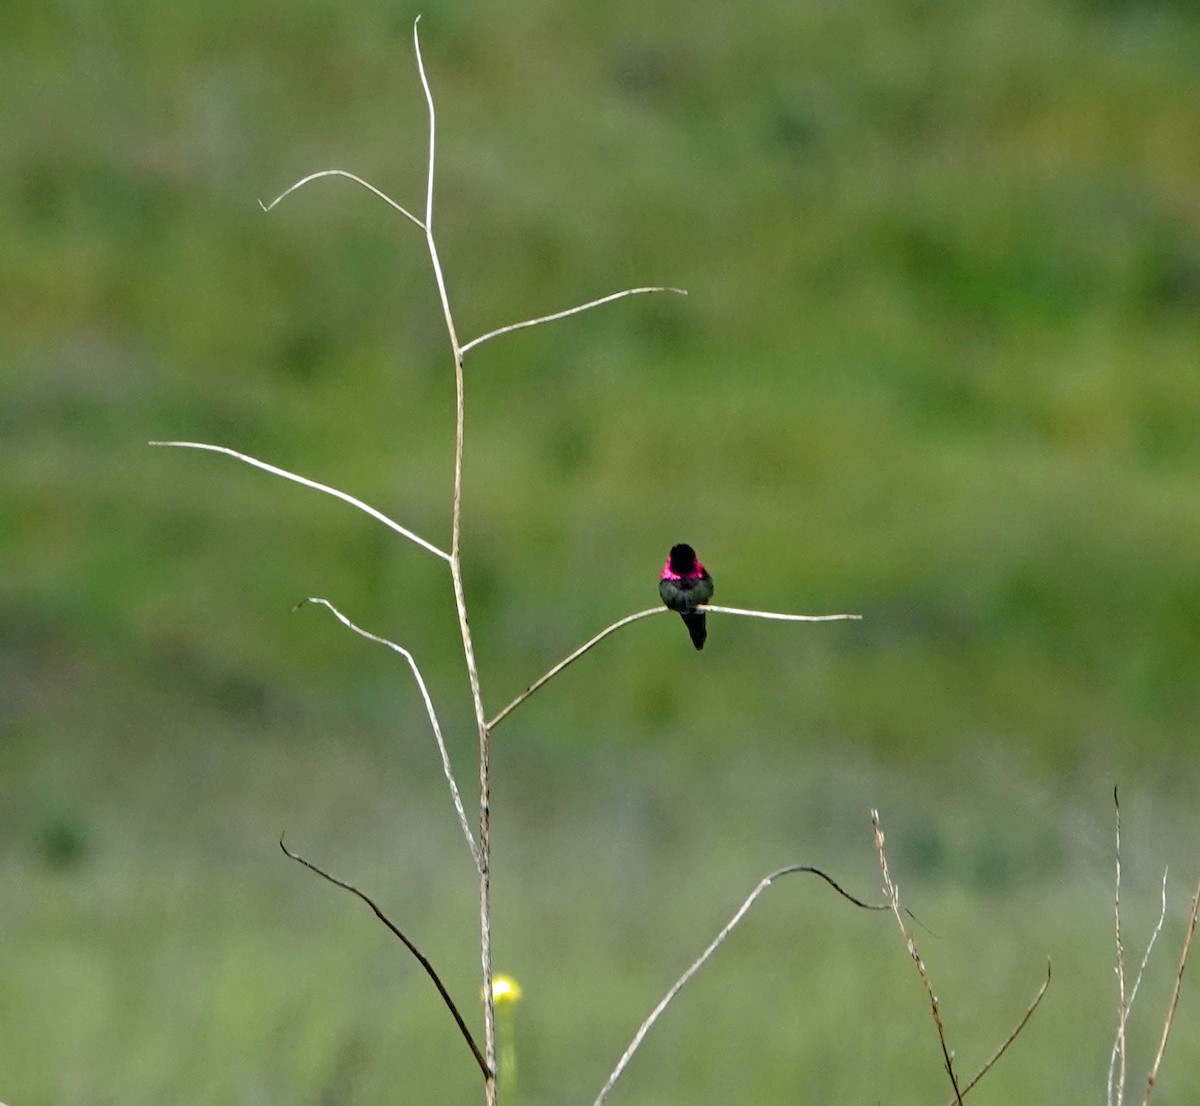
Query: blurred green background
point(938, 365)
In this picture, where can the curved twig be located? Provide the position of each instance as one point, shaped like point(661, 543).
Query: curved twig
point(715, 944)
point(303, 480)
point(349, 176)
point(421, 959)
point(548, 676)
point(563, 314)
point(433, 721)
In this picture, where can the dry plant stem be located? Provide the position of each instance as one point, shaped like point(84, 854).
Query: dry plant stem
point(561, 314)
point(1122, 1006)
point(433, 720)
point(1126, 1009)
point(429, 969)
point(548, 676)
point(349, 176)
point(893, 896)
point(1152, 1078)
point(379, 515)
point(1016, 1032)
point(485, 847)
point(716, 943)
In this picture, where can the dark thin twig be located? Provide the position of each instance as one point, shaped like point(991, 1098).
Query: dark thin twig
point(429, 969)
point(1016, 1032)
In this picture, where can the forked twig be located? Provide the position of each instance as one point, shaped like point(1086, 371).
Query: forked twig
point(433, 720)
point(1152, 1078)
point(564, 314)
point(349, 176)
point(892, 892)
point(621, 622)
point(1016, 1032)
point(1126, 1007)
point(893, 896)
point(715, 944)
point(303, 480)
point(421, 959)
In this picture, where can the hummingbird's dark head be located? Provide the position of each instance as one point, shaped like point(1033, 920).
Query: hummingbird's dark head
point(682, 560)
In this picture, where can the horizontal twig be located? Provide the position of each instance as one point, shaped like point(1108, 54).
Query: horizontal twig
point(303, 480)
point(421, 958)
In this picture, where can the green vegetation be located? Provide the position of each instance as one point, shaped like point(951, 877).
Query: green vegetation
point(937, 365)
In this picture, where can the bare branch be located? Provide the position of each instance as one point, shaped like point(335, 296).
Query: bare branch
point(1127, 1007)
point(349, 176)
point(775, 616)
point(563, 314)
point(460, 602)
point(571, 660)
point(379, 515)
point(433, 721)
point(548, 676)
point(893, 896)
point(1119, 1050)
point(1016, 1032)
point(421, 959)
point(1152, 1078)
point(716, 943)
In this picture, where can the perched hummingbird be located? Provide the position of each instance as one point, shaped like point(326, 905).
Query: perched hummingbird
point(684, 585)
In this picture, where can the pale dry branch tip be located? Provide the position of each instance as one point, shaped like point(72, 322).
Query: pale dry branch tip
point(715, 944)
point(564, 314)
point(1152, 1078)
point(316, 486)
point(447, 770)
point(776, 616)
point(348, 176)
point(408, 944)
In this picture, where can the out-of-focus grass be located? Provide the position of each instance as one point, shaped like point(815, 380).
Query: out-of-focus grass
point(183, 958)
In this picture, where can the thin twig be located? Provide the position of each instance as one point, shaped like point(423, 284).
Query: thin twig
point(716, 943)
point(548, 676)
point(349, 176)
point(485, 848)
point(1137, 983)
point(421, 959)
point(1122, 1005)
point(563, 314)
point(379, 515)
point(1016, 1032)
point(893, 896)
point(1152, 1078)
point(433, 720)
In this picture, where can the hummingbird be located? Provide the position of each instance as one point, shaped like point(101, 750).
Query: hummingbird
point(684, 585)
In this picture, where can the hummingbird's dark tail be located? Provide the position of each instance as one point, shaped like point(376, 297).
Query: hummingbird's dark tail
point(695, 622)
